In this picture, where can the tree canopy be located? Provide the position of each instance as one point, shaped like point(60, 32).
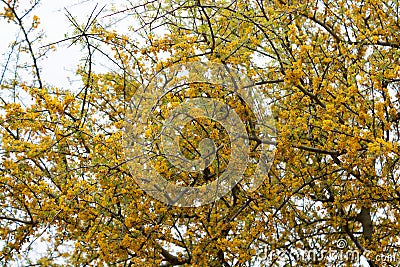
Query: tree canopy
point(329, 72)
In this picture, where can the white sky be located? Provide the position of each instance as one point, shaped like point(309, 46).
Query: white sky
point(60, 65)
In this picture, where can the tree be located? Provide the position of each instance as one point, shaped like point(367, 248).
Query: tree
point(330, 71)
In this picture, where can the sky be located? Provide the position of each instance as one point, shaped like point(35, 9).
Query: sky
point(59, 66)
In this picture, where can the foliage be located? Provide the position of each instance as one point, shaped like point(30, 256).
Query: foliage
point(331, 71)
